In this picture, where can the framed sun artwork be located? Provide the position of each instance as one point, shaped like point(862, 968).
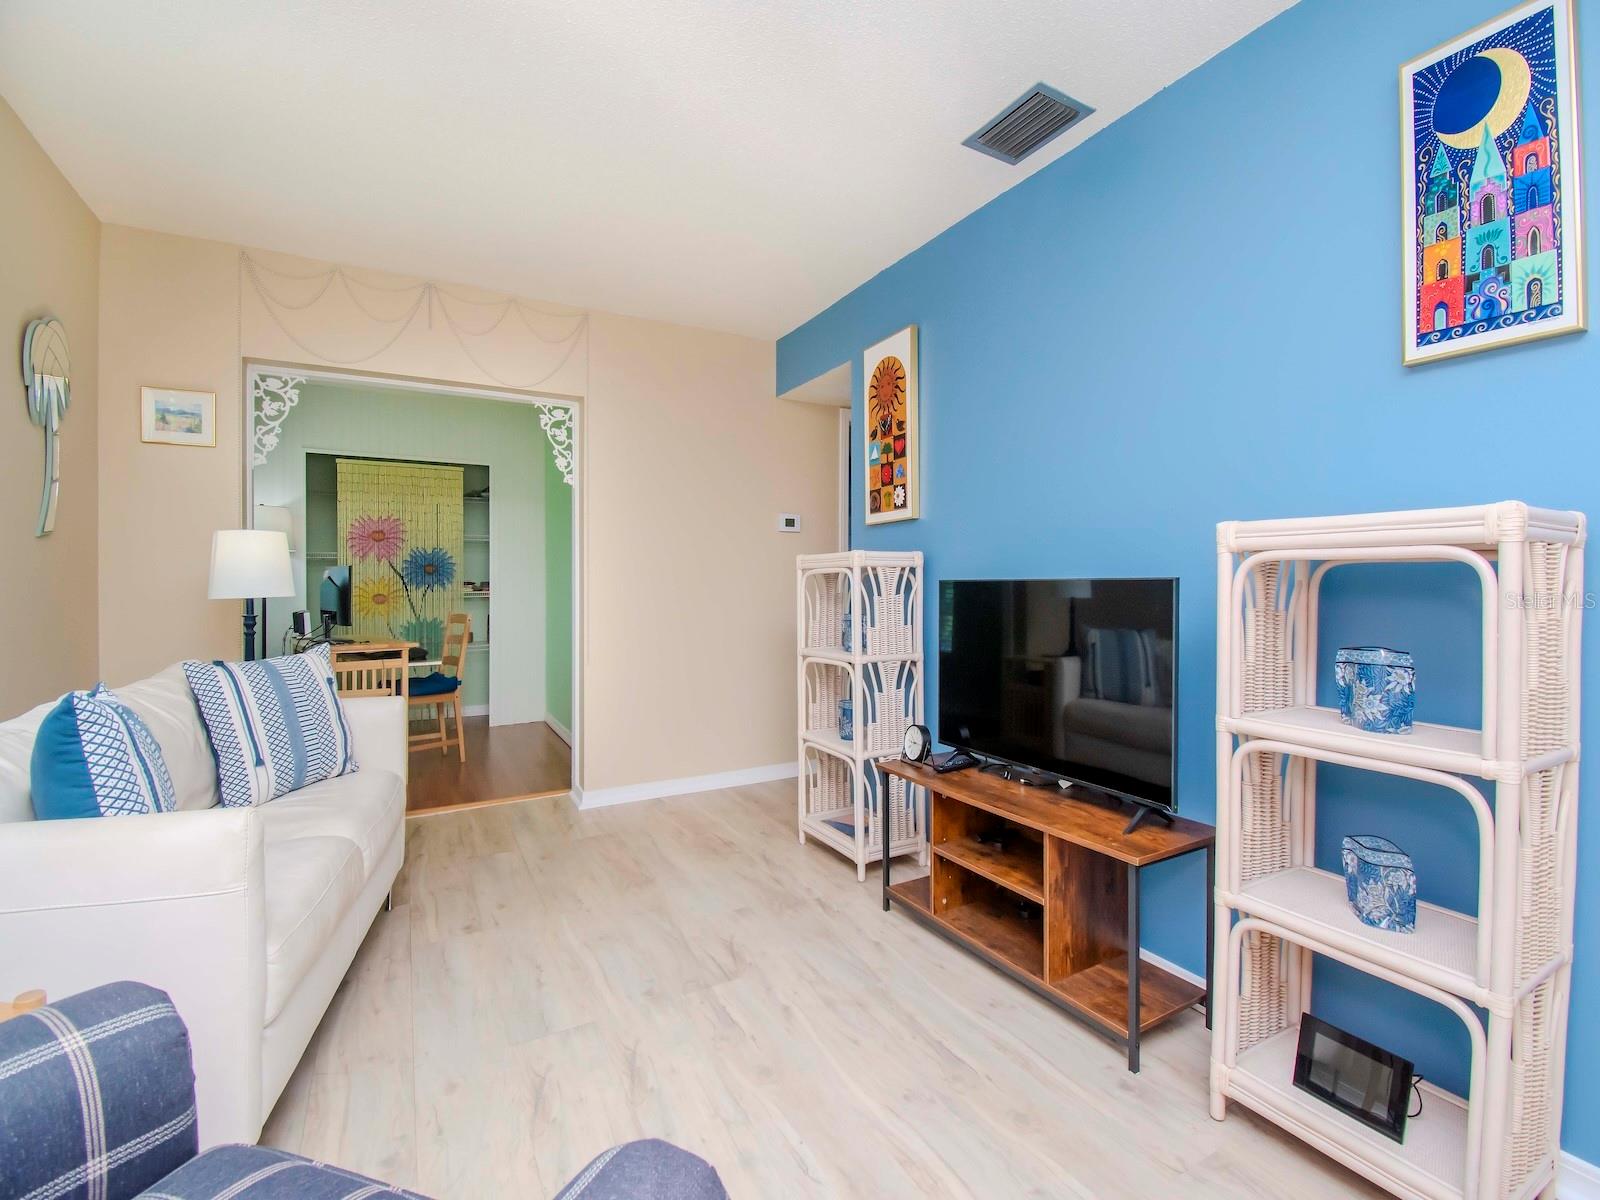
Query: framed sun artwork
point(1491, 206)
point(893, 475)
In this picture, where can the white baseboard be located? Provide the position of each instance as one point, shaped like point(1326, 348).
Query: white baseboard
point(1577, 1179)
point(560, 730)
point(1172, 968)
point(629, 793)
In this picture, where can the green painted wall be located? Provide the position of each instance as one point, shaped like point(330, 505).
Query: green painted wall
point(558, 593)
point(507, 669)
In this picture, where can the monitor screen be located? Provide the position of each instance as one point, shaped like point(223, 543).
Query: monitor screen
point(1072, 677)
point(335, 596)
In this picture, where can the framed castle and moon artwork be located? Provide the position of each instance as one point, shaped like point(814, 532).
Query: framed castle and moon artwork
point(893, 473)
point(1491, 203)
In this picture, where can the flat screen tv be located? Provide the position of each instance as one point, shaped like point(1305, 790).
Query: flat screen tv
point(1071, 678)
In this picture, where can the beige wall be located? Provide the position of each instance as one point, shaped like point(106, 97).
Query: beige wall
point(168, 318)
point(687, 630)
point(689, 637)
point(48, 267)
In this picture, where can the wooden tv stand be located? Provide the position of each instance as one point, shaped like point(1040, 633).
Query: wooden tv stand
point(1067, 861)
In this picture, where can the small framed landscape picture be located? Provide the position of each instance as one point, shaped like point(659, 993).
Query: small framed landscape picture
point(173, 418)
point(1491, 214)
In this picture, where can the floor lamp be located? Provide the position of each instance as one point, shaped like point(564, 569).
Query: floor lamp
point(245, 564)
point(272, 516)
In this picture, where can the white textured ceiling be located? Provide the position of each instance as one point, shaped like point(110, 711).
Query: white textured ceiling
point(735, 164)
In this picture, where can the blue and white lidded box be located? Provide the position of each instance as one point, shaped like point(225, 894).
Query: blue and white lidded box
point(1380, 883)
point(1377, 688)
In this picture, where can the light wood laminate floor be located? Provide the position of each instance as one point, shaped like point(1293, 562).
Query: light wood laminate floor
point(502, 761)
point(551, 982)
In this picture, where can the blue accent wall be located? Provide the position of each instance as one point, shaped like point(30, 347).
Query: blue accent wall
point(1195, 316)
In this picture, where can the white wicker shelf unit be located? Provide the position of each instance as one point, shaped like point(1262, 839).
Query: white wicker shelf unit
point(860, 639)
point(1513, 959)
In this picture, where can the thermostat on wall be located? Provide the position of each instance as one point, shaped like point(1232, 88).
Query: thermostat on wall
point(789, 522)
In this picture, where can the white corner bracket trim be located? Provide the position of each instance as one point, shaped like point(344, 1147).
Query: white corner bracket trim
point(271, 399)
point(631, 792)
point(556, 421)
point(1578, 1179)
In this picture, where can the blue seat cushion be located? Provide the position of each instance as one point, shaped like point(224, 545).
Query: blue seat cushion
point(645, 1170)
point(436, 684)
point(106, 1073)
point(259, 1173)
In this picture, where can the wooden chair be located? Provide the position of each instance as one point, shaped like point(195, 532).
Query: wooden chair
point(371, 668)
point(442, 689)
point(25, 1002)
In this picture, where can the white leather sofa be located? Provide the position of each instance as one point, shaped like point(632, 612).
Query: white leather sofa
point(247, 917)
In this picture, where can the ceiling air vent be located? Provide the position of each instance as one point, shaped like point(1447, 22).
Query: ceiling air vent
point(1028, 123)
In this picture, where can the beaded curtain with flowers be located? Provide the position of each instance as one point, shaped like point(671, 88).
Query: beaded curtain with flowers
point(400, 528)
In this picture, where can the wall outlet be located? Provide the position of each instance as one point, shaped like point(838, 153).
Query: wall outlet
point(788, 522)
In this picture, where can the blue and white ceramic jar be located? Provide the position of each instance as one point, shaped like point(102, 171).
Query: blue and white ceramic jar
point(847, 721)
point(853, 636)
point(1380, 883)
point(1377, 688)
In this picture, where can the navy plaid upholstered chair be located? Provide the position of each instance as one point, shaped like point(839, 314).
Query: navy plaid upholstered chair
point(97, 1103)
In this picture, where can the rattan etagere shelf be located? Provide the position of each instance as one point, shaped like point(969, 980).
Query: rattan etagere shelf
point(860, 639)
point(1512, 961)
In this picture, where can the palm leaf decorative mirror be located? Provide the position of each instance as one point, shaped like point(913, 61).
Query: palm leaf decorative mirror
point(46, 373)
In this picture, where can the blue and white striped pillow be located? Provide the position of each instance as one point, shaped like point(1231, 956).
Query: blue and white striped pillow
point(94, 757)
point(275, 725)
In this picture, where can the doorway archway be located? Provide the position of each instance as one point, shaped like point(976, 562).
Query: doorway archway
point(273, 391)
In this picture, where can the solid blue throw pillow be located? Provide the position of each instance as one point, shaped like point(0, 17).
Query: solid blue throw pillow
point(94, 757)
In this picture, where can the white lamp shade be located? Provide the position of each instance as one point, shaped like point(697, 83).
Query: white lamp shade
point(247, 563)
point(273, 516)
